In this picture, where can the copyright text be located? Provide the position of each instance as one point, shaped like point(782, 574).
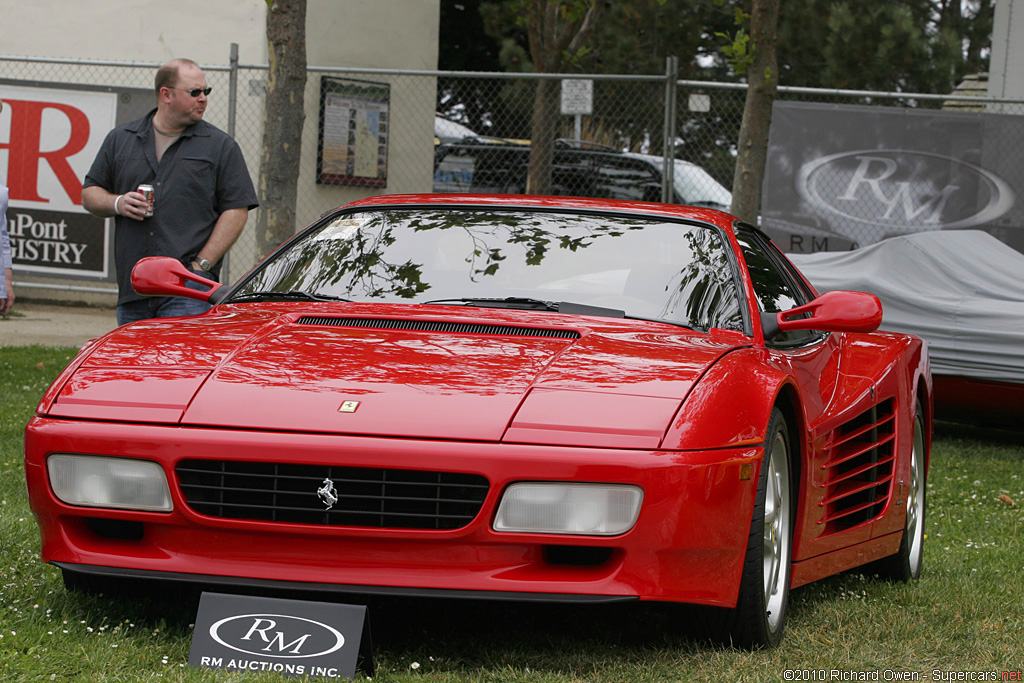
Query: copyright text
point(818, 675)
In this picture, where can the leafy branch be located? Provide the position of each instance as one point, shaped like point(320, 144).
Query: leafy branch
point(738, 49)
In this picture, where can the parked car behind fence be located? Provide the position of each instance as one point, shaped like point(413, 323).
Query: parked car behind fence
point(584, 169)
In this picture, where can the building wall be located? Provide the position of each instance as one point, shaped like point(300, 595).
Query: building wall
point(397, 34)
point(1006, 75)
point(376, 34)
point(354, 33)
point(370, 34)
point(127, 30)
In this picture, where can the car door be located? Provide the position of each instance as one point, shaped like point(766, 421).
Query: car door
point(814, 360)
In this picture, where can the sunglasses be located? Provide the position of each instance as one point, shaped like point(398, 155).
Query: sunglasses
point(194, 92)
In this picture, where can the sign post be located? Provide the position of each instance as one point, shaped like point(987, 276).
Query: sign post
point(577, 100)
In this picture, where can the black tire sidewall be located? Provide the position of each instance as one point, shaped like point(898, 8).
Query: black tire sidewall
point(750, 627)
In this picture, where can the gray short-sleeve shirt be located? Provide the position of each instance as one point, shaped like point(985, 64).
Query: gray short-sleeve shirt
point(199, 177)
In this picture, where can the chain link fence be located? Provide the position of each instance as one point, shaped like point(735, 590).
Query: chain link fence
point(372, 131)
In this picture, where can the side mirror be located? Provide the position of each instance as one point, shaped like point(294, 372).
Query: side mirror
point(837, 311)
point(165, 276)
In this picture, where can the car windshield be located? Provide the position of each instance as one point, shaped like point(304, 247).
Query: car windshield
point(641, 266)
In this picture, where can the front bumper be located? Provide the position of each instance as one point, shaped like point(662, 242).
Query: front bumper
point(688, 543)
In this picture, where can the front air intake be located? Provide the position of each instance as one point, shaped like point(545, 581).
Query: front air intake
point(373, 497)
point(438, 326)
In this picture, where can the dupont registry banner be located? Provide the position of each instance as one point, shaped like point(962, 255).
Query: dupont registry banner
point(844, 176)
point(49, 136)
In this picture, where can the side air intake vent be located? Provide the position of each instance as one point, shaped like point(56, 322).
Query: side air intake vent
point(859, 470)
point(437, 326)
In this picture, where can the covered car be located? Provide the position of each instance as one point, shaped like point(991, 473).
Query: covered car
point(530, 398)
point(959, 290)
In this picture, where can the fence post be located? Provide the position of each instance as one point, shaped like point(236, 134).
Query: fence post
point(668, 153)
point(233, 89)
point(232, 109)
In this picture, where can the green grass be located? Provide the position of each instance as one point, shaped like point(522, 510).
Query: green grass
point(966, 614)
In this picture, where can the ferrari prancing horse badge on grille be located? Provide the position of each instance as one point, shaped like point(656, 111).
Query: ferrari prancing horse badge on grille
point(328, 494)
point(348, 407)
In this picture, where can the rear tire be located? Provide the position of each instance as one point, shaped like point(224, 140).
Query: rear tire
point(906, 564)
point(759, 617)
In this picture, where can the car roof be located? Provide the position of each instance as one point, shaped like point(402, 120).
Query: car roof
point(447, 128)
point(656, 159)
point(677, 211)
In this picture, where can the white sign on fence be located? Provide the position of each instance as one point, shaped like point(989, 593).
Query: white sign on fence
point(700, 103)
point(577, 96)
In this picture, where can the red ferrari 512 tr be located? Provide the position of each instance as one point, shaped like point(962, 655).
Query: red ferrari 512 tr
point(480, 396)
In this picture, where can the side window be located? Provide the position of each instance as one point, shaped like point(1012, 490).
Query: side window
point(624, 178)
point(572, 173)
point(775, 288)
point(500, 169)
point(480, 169)
point(454, 169)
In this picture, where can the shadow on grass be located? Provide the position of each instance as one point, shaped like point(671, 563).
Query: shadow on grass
point(467, 633)
point(981, 434)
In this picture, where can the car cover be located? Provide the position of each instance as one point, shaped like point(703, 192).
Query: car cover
point(960, 290)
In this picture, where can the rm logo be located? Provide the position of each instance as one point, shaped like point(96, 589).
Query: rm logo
point(904, 191)
point(293, 637)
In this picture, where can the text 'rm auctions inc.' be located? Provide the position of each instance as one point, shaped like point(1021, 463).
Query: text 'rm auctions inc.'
point(818, 675)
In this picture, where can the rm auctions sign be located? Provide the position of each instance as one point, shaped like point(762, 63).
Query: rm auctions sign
point(840, 176)
point(292, 637)
point(48, 140)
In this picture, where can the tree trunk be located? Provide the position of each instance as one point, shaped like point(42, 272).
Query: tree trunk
point(762, 87)
point(556, 28)
point(545, 124)
point(284, 113)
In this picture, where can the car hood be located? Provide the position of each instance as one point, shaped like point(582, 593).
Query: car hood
point(403, 371)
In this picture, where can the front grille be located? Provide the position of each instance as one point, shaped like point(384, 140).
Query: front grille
point(859, 469)
point(367, 497)
point(439, 326)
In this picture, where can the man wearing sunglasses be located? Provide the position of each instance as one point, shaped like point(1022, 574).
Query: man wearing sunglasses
point(202, 190)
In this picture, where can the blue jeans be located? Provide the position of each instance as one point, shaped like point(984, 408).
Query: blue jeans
point(161, 306)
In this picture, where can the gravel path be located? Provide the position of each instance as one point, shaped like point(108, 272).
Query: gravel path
point(54, 325)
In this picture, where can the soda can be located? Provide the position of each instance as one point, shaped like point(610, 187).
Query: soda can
point(147, 192)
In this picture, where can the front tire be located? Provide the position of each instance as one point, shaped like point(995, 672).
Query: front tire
point(760, 613)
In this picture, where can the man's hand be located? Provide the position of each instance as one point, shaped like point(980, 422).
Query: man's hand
point(99, 202)
point(133, 205)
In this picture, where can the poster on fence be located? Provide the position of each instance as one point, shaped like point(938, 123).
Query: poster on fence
point(49, 137)
point(844, 176)
point(353, 146)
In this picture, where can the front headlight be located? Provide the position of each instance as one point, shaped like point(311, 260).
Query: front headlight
point(122, 483)
point(563, 508)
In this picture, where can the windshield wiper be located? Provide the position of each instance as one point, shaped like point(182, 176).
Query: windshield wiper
point(569, 307)
point(500, 302)
point(293, 295)
point(526, 303)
